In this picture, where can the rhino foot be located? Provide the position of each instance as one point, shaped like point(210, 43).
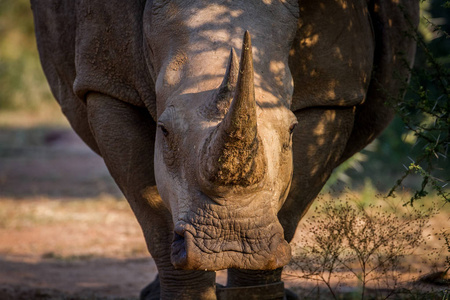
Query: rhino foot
point(270, 291)
point(151, 291)
point(290, 295)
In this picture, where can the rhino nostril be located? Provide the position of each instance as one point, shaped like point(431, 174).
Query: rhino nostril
point(178, 237)
point(178, 252)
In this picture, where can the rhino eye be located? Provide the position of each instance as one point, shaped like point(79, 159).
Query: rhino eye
point(164, 130)
point(292, 127)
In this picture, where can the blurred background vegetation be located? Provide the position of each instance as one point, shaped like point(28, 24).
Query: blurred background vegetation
point(23, 88)
point(425, 109)
point(22, 82)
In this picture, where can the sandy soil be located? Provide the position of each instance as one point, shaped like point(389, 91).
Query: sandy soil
point(66, 232)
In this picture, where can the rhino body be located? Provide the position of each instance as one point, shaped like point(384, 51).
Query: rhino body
point(218, 156)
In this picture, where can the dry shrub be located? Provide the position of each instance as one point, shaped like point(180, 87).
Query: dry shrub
point(344, 240)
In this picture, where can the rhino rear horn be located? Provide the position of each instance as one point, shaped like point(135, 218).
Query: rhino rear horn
point(218, 107)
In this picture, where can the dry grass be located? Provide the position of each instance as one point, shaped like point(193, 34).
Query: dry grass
point(70, 229)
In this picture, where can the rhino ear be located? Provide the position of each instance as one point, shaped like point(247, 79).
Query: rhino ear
point(219, 105)
point(373, 116)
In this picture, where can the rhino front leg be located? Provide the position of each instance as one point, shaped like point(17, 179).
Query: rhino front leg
point(239, 278)
point(255, 284)
point(125, 135)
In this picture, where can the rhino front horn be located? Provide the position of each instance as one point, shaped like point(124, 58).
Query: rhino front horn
point(240, 120)
point(235, 154)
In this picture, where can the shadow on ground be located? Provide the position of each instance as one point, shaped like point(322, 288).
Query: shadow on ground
point(90, 278)
point(50, 162)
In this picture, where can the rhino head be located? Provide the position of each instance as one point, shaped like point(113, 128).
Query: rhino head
point(224, 168)
point(223, 157)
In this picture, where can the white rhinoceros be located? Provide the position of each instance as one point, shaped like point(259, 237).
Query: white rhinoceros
point(202, 143)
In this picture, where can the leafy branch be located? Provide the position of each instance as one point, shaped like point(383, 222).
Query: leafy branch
point(425, 111)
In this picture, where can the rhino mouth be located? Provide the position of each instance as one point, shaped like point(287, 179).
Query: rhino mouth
point(243, 243)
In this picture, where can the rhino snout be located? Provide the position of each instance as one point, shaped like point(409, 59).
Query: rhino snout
point(240, 240)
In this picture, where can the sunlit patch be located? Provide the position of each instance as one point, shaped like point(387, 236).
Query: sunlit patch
point(216, 35)
point(277, 66)
point(313, 73)
point(213, 14)
point(278, 69)
point(350, 25)
point(343, 4)
point(150, 194)
point(331, 94)
point(312, 40)
point(376, 8)
point(338, 54)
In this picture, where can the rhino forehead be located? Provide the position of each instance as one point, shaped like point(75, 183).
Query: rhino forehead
point(203, 26)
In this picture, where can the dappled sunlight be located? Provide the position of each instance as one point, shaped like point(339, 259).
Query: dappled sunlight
point(323, 137)
point(342, 3)
point(279, 68)
point(328, 117)
point(208, 37)
point(212, 14)
point(328, 67)
point(311, 41)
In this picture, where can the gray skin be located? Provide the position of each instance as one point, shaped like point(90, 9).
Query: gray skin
point(202, 143)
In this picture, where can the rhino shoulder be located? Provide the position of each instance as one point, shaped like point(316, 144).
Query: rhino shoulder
point(55, 26)
point(92, 46)
point(109, 55)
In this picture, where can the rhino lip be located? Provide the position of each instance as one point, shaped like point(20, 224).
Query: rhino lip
point(178, 243)
point(187, 253)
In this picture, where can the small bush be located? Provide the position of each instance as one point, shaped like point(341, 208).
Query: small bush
point(344, 239)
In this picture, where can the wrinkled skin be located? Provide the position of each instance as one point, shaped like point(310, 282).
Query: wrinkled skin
point(238, 148)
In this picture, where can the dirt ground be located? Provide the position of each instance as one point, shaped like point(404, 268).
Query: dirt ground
point(66, 232)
